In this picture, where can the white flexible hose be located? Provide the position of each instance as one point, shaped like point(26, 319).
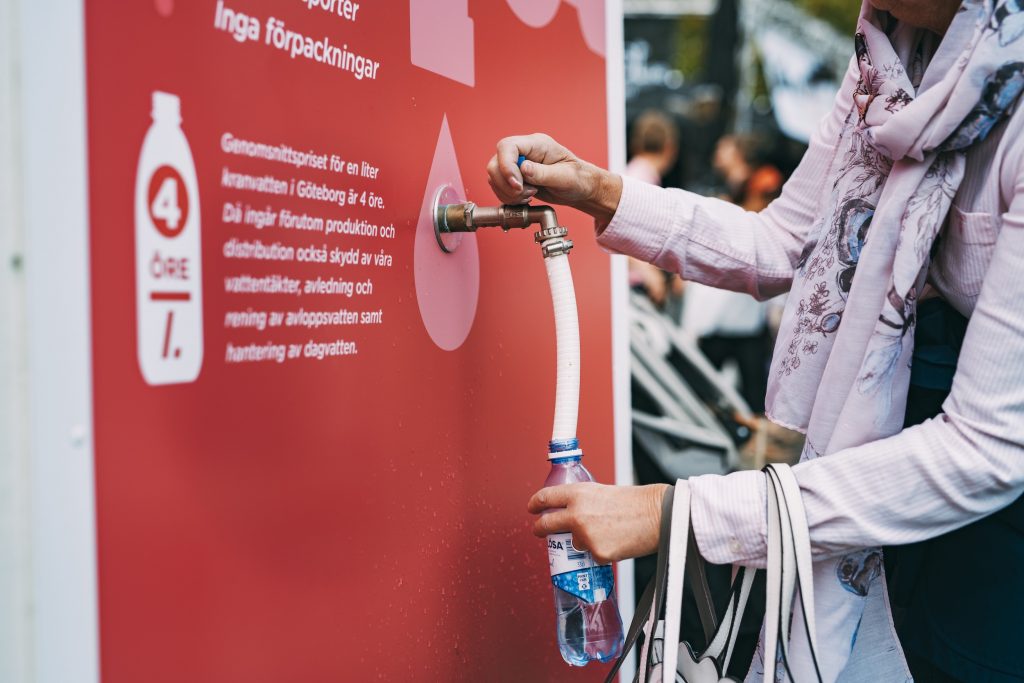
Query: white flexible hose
point(567, 340)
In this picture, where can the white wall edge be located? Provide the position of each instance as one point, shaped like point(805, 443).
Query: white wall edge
point(53, 136)
point(15, 548)
point(616, 104)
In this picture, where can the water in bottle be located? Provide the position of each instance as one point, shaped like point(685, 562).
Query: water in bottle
point(589, 625)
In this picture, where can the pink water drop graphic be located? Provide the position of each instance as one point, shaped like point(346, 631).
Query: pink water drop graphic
point(447, 285)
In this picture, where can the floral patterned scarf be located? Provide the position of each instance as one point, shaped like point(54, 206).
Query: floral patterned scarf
point(841, 368)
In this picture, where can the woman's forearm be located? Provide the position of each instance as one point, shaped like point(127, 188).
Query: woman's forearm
point(607, 192)
point(924, 482)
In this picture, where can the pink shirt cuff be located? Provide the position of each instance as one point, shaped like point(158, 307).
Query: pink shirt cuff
point(730, 517)
point(642, 222)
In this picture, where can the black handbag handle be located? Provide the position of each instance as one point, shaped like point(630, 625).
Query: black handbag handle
point(660, 583)
point(653, 597)
point(698, 578)
point(651, 594)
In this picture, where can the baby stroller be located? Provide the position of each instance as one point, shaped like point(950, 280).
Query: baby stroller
point(688, 419)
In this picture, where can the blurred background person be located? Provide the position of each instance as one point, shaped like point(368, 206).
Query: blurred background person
point(731, 327)
point(653, 146)
point(654, 149)
point(749, 180)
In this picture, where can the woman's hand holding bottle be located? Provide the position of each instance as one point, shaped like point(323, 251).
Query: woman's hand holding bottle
point(612, 522)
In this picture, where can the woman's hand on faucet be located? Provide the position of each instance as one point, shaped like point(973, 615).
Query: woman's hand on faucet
point(612, 522)
point(554, 175)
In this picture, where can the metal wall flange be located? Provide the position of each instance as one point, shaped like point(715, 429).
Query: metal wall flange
point(448, 241)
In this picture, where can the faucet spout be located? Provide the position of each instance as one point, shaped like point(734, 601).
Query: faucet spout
point(452, 219)
point(467, 217)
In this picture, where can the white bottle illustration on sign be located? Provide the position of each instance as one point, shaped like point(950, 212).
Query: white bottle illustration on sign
point(168, 272)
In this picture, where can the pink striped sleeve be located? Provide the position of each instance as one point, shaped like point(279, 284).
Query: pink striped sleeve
point(717, 243)
point(925, 481)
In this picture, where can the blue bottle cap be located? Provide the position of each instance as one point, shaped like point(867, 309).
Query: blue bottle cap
point(567, 448)
point(563, 445)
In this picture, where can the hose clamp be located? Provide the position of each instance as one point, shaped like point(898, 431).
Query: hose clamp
point(556, 248)
point(553, 241)
point(546, 234)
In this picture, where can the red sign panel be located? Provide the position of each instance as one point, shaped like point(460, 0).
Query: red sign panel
point(316, 432)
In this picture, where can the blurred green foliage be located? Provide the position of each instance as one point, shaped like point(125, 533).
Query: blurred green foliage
point(691, 44)
point(841, 14)
point(692, 39)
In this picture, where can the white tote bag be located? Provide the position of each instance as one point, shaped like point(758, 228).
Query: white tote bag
point(663, 658)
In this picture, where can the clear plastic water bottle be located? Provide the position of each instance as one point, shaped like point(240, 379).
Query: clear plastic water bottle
point(589, 625)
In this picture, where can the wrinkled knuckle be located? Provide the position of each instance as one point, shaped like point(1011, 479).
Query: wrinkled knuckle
point(580, 540)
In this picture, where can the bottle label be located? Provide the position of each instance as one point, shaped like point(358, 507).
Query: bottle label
point(593, 584)
point(564, 557)
point(573, 570)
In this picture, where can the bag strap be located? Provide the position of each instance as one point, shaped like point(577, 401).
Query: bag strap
point(646, 606)
point(668, 506)
point(802, 551)
point(729, 629)
point(643, 608)
point(697, 575)
point(678, 542)
point(789, 566)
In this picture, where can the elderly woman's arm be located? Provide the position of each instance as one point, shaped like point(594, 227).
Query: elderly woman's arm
point(703, 239)
point(923, 482)
point(716, 243)
point(927, 480)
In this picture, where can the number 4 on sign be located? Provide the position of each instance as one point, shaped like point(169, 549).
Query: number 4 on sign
point(165, 204)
